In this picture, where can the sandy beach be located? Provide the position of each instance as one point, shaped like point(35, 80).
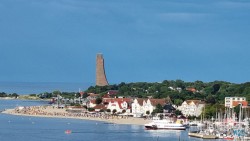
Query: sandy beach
point(52, 112)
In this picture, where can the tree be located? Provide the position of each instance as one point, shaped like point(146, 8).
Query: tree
point(98, 100)
point(178, 112)
point(3, 94)
point(158, 109)
point(91, 109)
point(55, 93)
point(210, 99)
point(84, 106)
point(16, 95)
point(114, 111)
point(85, 95)
point(178, 102)
point(179, 83)
point(216, 88)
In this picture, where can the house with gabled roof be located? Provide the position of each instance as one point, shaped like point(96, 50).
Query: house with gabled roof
point(106, 96)
point(232, 102)
point(92, 96)
point(168, 109)
point(119, 104)
point(137, 108)
point(150, 104)
point(91, 103)
point(112, 93)
point(192, 107)
point(100, 107)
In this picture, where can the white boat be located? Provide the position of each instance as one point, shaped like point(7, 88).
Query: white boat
point(164, 124)
point(197, 124)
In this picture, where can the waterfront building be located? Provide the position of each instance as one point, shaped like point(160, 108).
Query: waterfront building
point(91, 103)
point(192, 107)
point(150, 104)
point(137, 107)
point(119, 104)
point(231, 102)
point(92, 96)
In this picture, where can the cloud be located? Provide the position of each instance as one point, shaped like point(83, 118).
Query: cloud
point(234, 4)
point(182, 17)
point(53, 4)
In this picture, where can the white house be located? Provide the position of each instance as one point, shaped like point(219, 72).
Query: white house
point(91, 103)
point(137, 107)
point(119, 104)
point(191, 107)
point(92, 96)
point(231, 102)
point(150, 104)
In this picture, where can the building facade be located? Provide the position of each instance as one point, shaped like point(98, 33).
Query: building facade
point(137, 107)
point(231, 102)
point(192, 107)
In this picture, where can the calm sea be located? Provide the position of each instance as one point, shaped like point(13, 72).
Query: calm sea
point(21, 128)
point(41, 87)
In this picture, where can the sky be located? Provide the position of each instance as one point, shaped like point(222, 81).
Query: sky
point(141, 40)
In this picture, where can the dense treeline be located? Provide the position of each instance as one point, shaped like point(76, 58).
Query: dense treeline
point(213, 93)
point(68, 95)
point(3, 94)
point(179, 91)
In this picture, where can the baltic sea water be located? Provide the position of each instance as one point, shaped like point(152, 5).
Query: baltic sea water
point(23, 128)
point(41, 87)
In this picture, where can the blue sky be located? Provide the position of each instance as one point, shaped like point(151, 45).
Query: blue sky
point(141, 40)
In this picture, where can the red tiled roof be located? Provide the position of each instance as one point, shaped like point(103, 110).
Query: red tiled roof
point(100, 106)
point(140, 100)
point(106, 96)
point(236, 103)
point(93, 101)
point(154, 102)
point(191, 89)
point(112, 92)
point(117, 99)
point(92, 94)
point(195, 102)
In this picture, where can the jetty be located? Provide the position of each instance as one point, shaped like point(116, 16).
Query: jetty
point(203, 136)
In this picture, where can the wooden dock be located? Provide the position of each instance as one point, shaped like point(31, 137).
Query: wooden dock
point(203, 136)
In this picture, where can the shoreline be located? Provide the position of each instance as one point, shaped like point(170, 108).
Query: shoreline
point(51, 112)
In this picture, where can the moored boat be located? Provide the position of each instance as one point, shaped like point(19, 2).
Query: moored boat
point(164, 124)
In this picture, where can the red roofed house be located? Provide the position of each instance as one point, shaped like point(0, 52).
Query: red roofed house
point(119, 104)
point(92, 96)
point(100, 107)
point(191, 89)
point(150, 104)
point(231, 102)
point(106, 96)
point(112, 93)
point(91, 103)
point(137, 107)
